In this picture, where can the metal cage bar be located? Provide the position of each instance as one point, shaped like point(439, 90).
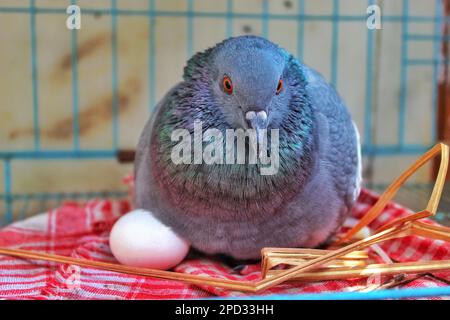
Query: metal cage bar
point(75, 92)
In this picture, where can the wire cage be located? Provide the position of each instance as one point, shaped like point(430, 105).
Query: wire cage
point(416, 28)
point(77, 87)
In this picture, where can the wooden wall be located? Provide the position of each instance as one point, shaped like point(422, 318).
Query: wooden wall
point(95, 78)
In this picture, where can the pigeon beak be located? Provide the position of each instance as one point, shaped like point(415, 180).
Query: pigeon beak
point(257, 121)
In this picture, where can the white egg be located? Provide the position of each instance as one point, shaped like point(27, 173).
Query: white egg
point(139, 239)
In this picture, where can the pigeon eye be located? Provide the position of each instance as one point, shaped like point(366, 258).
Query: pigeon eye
point(279, 86)
point(227, 85)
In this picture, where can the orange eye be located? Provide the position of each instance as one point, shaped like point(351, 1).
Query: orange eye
point(227, 85)
point(279, 86)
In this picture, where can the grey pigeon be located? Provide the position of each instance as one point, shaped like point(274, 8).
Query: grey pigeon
point(249, 82)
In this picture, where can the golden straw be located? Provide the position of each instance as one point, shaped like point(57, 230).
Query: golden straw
point(306, 262)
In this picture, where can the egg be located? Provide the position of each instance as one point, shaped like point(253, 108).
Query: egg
point(138, 239)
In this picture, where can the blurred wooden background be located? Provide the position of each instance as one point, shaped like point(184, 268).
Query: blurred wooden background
point(135, 102)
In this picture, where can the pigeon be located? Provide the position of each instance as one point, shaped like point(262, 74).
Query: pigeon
point(232, 209)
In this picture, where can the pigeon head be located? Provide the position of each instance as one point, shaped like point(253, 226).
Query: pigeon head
point(250, 80)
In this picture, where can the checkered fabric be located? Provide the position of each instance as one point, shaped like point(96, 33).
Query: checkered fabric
point(82, 231)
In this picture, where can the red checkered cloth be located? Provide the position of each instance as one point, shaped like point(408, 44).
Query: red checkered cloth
point(81, 231)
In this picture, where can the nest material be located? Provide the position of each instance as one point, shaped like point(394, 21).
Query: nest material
point(347, 259)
